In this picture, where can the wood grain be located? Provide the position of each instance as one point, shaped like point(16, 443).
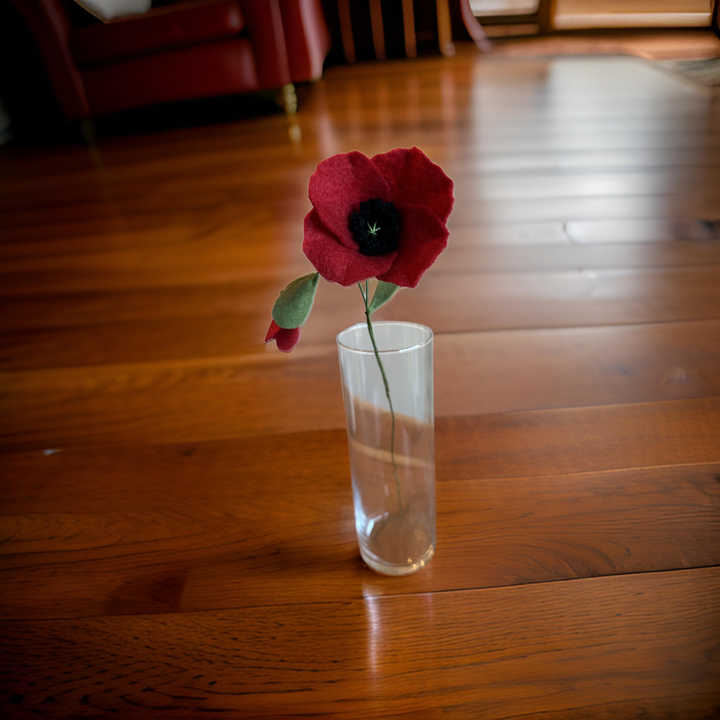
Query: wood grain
point(582, 647)
point(69, 558)
point(464, 303)
point(480, 249)
point(409, 28)
point(256, 392)
point(74, 333)
point(218, 541)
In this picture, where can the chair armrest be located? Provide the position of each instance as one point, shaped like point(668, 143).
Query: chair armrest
point(307, 38)
point(265, 30)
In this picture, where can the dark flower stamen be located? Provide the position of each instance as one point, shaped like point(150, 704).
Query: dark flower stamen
point(376, 228)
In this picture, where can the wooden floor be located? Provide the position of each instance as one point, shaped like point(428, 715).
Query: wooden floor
point(177, 527)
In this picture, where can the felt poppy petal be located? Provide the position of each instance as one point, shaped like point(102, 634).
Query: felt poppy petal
point(422, 238)
point(414, 178)
point(286, 340)
point(337, 188)
point(334, 261)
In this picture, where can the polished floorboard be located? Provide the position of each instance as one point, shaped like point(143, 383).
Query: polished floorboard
point(177, 531)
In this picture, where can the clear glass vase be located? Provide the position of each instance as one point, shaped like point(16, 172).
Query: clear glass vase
point(392, 462)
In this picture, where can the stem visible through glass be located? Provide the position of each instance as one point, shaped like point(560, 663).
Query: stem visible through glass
point(387, 392)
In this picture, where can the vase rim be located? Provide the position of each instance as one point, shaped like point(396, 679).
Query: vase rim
point(415, 346)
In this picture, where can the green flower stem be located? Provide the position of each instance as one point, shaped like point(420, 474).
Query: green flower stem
point(387, 393)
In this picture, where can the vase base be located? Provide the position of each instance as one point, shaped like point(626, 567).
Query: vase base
point(384, 568)
point(398, 544)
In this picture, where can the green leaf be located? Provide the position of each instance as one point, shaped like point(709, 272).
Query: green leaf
point(294, 303)
point(383, 292)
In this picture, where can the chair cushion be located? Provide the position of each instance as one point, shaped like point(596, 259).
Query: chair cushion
point(167, 27)
point(225, 67)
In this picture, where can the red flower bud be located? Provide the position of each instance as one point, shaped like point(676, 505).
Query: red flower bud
point(286, 340)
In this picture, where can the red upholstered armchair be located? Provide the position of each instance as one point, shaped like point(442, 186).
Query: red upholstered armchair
point(187, 50)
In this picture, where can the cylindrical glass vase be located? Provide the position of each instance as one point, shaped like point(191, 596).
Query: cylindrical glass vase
point(392, 463)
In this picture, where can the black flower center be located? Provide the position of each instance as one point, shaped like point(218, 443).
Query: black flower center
point(376, 228)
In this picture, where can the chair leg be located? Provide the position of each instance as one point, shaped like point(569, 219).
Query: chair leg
point(346, 30)
point(378, 31)
point(409, 27)
point(447, 48)
point(289, 99)
point(472, 25)
point(87, 130)
point(86, 126)
point(546, 16)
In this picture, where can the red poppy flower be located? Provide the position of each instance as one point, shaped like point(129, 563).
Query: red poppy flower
point(381, 217)
point(286, 340)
